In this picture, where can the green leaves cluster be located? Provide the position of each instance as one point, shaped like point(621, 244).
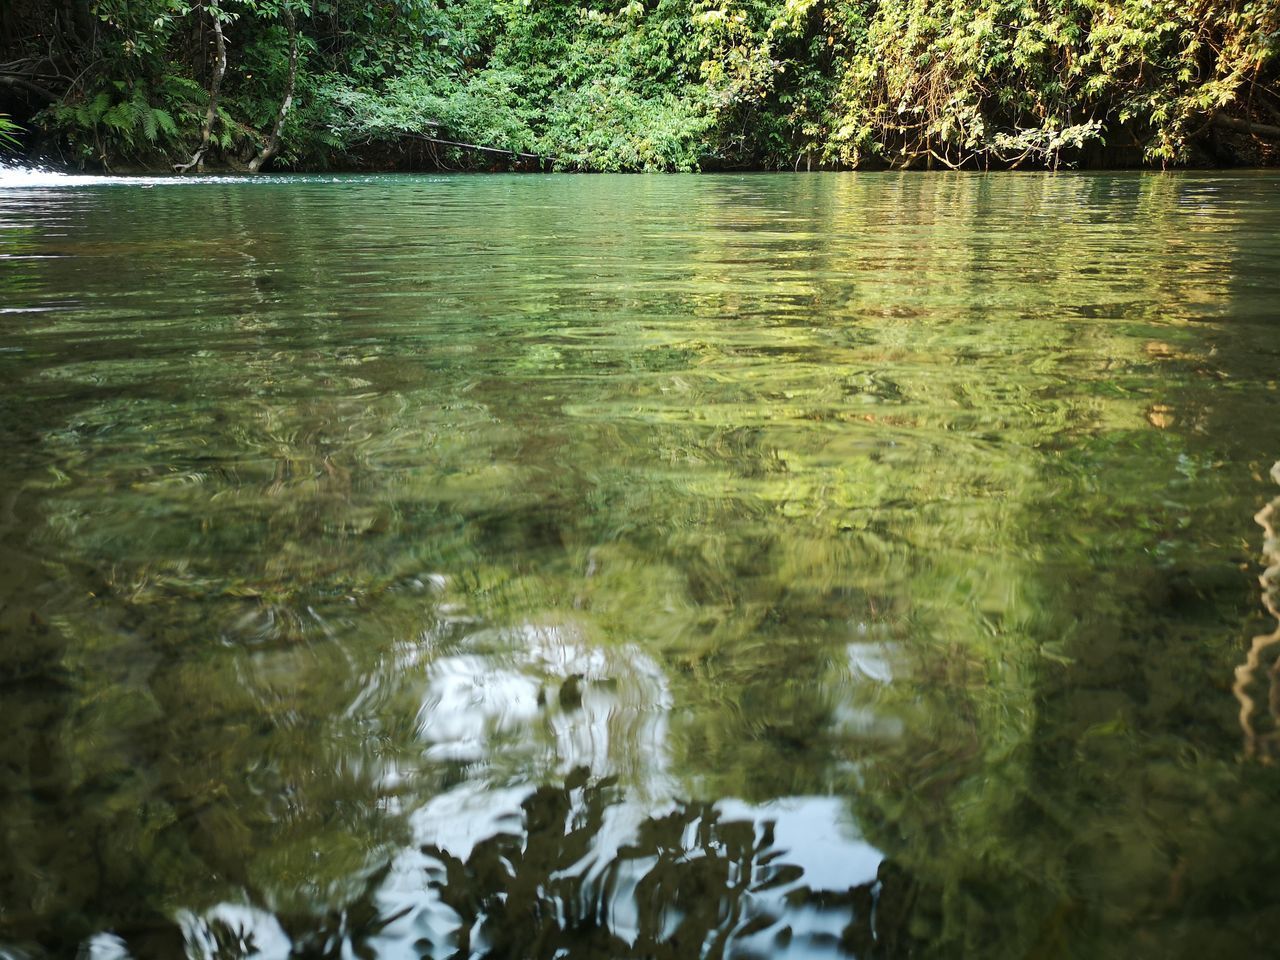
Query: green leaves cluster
point(8, 131)
point(956, 81)
point(126, 116)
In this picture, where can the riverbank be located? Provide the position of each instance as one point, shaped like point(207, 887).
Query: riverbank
point(1226, 149)
point(1235, 151)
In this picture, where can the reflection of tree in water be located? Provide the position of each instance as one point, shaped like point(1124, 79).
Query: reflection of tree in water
point(1262, 731)
point(696, 881)
point(112, 814)
point(1113, 819)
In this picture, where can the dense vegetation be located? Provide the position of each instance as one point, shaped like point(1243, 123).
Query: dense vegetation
point(645, 84)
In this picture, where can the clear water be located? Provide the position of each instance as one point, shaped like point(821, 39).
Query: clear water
point(786, 566)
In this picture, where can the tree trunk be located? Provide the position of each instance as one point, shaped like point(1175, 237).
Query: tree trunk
point(272, 146)
point(219, 68)
point(85, 21)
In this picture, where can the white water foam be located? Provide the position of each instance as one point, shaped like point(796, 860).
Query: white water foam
point(13, 176)
point(17, 177)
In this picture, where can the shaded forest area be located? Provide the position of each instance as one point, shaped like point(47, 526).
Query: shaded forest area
point(612, 85)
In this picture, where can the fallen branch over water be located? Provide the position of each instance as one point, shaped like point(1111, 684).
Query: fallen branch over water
point(513, 154)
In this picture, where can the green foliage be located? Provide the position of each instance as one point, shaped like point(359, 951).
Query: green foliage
point(8, 129)
point(485, 111)
point(608, 127)
point(679, 84)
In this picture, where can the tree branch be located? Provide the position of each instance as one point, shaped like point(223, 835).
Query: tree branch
point(7, 80)
point(219, 68)
point(272, 146)
point(1265, 130)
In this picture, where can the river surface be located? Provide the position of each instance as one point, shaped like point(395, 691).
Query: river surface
point(604, 567)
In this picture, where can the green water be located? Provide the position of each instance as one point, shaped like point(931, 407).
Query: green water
point(602, 567)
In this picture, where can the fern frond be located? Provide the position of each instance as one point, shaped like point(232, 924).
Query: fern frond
point(164, 119)
point(92, 111)
point(121, 117)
